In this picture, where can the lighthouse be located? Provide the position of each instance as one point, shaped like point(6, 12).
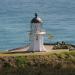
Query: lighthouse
point(37, 35)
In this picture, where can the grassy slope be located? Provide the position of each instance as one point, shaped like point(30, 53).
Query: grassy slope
point(62, 63)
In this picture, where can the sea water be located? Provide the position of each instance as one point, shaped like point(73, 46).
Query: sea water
point(15, 16)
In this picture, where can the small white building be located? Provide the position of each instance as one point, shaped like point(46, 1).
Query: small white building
point(37, 35)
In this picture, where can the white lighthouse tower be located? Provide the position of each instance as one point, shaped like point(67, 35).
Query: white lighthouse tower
point(36, 35)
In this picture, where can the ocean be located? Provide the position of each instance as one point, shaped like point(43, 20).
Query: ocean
point(15, 16)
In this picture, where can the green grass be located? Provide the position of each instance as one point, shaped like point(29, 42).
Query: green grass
point(7, 53)
point(38, 63)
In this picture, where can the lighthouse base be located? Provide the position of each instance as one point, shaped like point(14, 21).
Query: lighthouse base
point(35, 49)
point(45, 48)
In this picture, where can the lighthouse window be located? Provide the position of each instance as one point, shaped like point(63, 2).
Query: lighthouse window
point(36, 37)
point(35, 27)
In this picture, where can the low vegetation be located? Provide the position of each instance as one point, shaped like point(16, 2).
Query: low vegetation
point(39, 64)
point(63, 45)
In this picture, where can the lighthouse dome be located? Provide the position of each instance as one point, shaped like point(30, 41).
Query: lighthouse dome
point(36, 19)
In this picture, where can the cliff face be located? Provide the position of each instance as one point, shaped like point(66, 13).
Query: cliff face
point(51, 64)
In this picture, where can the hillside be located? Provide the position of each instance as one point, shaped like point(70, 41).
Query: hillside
point(62, 63)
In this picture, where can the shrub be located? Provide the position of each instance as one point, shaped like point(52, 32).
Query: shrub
point(21, 61)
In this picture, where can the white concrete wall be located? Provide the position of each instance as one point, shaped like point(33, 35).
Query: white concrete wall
point(37, 39)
